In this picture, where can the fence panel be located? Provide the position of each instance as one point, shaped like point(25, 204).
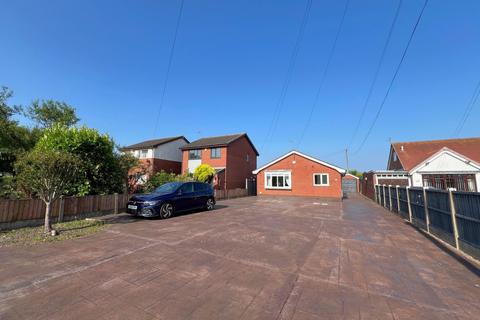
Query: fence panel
point(393, 193)
point(417, 204)
point(387, 197)
point(377, 193)
point(440, 215)
point(467, 208)
point(382, 198)
point(402, 195)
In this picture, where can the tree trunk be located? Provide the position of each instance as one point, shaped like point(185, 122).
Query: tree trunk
point(48, 224)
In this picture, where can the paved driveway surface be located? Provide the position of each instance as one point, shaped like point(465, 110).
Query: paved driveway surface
point(252, 258)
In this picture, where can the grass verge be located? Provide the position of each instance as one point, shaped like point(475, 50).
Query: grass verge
point(34, 235)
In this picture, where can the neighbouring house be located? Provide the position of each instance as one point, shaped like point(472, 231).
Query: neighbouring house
point(441, 164)
point(234, 157)
point(297, 174)
point(350, 183)
point(387, 177)
point(156, 155)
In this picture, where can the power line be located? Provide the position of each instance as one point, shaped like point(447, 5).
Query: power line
point(468, 110)
point(170, 59)
point(288, 78)
point(377, 72)
point(324, 75)
point(393, 78)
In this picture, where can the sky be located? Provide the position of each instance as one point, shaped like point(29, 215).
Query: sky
point(109, 60)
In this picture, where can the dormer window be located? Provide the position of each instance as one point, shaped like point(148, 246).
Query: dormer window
point(395, 158)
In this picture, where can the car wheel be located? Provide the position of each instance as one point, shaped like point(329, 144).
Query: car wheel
point(210, 205)
point(166, 211)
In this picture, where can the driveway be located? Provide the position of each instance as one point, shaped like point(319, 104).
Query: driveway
point(252, 258)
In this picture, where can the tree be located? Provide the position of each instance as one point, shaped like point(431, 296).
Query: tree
point(100, 162)
point(47, 113)
point(355, 173)
point(204, 173)
point(14, 140)
point(126, 162)
point(47, 174)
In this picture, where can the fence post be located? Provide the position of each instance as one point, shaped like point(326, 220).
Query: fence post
point(454, 216)
point(115, 206)
point(61, 209)
point(425, 206)
point(398, 199)
point(390, 197)
point(409, 206)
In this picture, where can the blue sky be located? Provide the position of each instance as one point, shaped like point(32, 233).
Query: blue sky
point(109, 59)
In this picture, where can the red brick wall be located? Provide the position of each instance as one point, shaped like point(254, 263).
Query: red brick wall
point(167, 165)
point(367, 185)
point(238, 168)
point(302, 179)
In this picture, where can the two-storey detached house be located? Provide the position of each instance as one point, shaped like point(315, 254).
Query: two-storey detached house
point(156, 155)
point(234, 157)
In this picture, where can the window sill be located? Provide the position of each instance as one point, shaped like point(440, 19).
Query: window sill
point(273, 188)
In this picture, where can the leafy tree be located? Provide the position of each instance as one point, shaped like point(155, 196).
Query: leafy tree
point(204, 173)
point(104, 173)
point(126, 162)
point(14, 140)
point(47, 174)
point(47, 113)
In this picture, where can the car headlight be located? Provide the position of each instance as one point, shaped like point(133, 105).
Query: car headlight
point(150, 203)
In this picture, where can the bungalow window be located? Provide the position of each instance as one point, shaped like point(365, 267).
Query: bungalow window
point(143, 154)
point(320, 179)
point(215, 153)
point(195, 155)
point(278, 180)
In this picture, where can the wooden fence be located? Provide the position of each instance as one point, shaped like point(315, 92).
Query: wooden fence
point(232, 193)
point(12, 211)
point(451, 216)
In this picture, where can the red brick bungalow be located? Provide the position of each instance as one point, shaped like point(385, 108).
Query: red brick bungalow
point(297, 174)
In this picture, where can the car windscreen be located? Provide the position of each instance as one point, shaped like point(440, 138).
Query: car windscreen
point(168, 187)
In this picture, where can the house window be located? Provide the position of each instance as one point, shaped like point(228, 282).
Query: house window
point(247, 157)
point(194, 154)
point(320, 179)
point(461, 182)
point(143, 153)
point(278, 180)
point(395, 157)
point(215, 153)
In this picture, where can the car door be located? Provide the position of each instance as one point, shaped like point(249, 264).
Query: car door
point(200, 194)
point(185, 198)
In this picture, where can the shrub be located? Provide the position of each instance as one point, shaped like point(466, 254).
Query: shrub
point(204, 173)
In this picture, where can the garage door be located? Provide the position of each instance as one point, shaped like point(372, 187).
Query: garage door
point(349, 186)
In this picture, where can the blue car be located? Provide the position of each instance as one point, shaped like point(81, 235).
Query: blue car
point(171, 198)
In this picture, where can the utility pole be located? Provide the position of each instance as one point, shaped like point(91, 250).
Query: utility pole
point(346, 158)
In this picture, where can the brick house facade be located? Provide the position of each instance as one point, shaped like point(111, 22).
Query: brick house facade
point(296, 174)
point(154, 156)
point(233, 156)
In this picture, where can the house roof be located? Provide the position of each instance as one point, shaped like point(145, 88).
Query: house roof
point(152, 143)
point(342, 171)
point(218, 141)
point(411, 154)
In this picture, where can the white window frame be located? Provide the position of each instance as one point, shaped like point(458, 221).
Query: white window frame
point(278, 173)
point(321, 184)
